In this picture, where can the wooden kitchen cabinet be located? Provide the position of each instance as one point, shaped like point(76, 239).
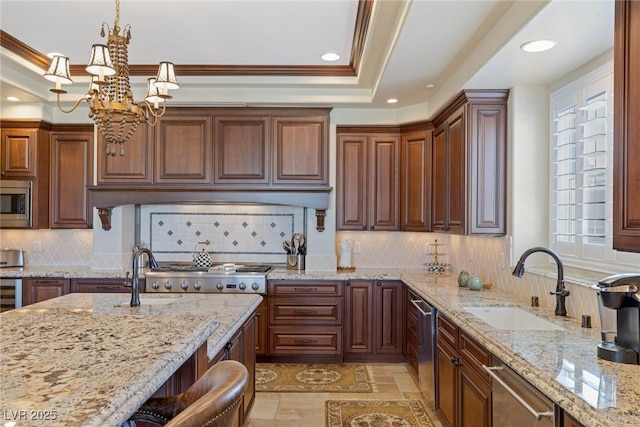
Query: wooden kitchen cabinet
point(136, 166)
point(19, 153)
point(368, 178)
point(626, 134)
point(305, 319)
point(301, 148)
point(411, 333)
point(415, 178)
point(40, 289)
point(241, 149)
point(103, 285)
point(262, 322)
point(24, 155)
point(71, 173)
point(373, 327)
point(463, 389)
point(183, 144)
point(469, 164)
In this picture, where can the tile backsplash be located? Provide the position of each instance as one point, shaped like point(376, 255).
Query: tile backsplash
point(236, 233)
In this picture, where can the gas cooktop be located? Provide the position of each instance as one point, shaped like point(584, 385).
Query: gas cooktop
point(219, 278)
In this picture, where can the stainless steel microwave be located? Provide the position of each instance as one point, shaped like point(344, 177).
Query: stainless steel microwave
point(15, 204)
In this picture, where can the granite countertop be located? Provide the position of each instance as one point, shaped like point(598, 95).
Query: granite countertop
point(91, 360)
point(562, 364)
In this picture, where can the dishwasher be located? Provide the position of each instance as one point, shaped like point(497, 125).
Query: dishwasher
point(516, 403)
point(426, 334)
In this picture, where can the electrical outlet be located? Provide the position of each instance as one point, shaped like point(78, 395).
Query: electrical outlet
point(37, 246)
point(503, 261)
point(356, 248)
point(470, 249)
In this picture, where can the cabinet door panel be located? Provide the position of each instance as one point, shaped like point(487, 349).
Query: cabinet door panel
point(388, 323)
point(241, 150)
point(301, 149)
point(71, 170)
point(439, 183)
point(351, 204)
point(626, 166)
point(384, 179)
point(416, 182)
point(446, 385)
point(359, 318)
point(134, 166)
point(183, 150)
point(19, 153)
point(475, 400)
point(456, 174)
point(37, 290)
point(487, 169)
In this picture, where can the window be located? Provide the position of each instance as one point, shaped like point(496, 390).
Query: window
point(581, 174)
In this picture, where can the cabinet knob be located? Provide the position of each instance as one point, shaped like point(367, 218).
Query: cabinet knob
point(372, 227)
point(348, 283)
point(364, 227)
point(378, 283)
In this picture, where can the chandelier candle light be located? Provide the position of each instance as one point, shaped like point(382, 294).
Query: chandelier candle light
point(110, 100)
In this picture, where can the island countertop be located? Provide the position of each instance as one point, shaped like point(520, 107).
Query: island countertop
point(91, 360)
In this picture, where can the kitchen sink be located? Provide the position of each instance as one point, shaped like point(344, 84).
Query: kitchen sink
point(155, 300)
point(512, 318)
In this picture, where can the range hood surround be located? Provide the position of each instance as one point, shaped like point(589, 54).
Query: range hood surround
point(105, 198)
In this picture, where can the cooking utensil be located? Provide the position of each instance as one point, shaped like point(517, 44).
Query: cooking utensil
point(287, 246)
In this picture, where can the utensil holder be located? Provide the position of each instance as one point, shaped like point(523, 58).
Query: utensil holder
point(295, 262)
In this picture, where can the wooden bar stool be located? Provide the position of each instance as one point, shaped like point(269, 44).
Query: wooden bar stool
point(210, 401)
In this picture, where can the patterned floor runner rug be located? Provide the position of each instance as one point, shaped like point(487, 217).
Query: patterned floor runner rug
point(293, 377)
point(372, 413)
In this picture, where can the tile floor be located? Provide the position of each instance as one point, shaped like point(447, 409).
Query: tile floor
point(391, 381)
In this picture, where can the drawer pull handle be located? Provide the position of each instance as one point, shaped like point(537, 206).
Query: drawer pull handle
point(306, 289)
point(305, 341)
point(305, 311)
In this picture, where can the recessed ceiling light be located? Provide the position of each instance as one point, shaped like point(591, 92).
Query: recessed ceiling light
point(538, 45)
point(330, 57)
point(13, 98)
point(430, 85)
point(392, 101)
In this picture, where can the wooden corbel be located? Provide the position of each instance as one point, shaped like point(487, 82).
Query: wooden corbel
point(105, 217)
point(320, 214)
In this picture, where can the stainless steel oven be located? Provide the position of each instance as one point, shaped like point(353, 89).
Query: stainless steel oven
point(11, 287)
point(15, 204)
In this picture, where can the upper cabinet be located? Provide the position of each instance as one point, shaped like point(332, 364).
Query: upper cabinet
point(19, 153)
point(301, 148)
point(415, 178)
point(134, 167)
point(183, 145)
point(469, 164)
point(71, 173)
point(626, 162)
point(241, 149)
point(368, 179)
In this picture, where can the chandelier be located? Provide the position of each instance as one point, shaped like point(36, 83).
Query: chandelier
point(109, 96)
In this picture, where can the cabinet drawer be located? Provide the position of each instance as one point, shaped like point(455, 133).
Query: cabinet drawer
point(447, 331)
point(328, 288)
point(474, 356)
point(326, 311)
point(102, 286)
point(308, 340)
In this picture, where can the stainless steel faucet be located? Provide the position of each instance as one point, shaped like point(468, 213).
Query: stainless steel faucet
point(561, 292)
point(135, 287)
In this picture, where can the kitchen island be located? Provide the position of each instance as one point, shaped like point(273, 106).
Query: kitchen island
point(91, 360)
